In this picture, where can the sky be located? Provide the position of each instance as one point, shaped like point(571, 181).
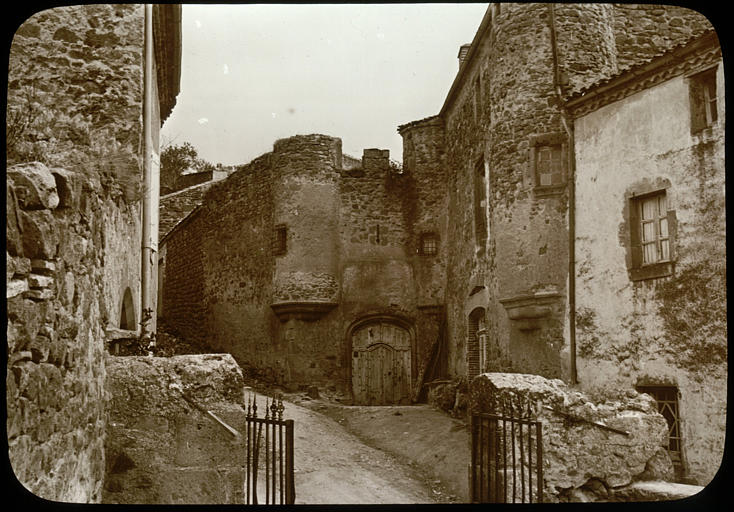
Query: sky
point(253, 74)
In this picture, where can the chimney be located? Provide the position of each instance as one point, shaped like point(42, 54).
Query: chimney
point(463, 52)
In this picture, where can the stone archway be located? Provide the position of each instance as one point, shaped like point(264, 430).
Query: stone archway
point(127, 313)
point(381, 362)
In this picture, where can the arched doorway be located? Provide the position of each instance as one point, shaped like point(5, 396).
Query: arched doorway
point(381, 362)
point(127, 315)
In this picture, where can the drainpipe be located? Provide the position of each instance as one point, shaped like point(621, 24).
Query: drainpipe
point(568, 127)
point(151, 180)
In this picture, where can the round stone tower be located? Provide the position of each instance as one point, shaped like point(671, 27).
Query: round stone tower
point(305, 231)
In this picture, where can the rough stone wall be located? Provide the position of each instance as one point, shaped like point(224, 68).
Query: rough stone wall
point(581, 460)
point(160, 448)
point(75, 106)
point(668, 330)
point(222, 275)
point(642, 31)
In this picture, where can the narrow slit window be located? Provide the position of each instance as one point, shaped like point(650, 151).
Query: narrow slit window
point(280, 240)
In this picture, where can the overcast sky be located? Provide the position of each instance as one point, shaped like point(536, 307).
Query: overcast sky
point(252, 74)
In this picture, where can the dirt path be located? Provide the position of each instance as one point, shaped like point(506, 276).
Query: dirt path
point(376, 455)
point(333, 466)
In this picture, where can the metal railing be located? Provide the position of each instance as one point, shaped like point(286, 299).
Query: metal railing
point(507, 455)
point(271, 451)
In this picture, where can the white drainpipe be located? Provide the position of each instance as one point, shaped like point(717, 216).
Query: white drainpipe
point(151, 183)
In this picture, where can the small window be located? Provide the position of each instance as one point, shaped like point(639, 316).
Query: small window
point(280, 237)
point(666, 398)
point(429, 244)
point(476, 343)
point(702, 92)
point(652, 228)
point(548, 166)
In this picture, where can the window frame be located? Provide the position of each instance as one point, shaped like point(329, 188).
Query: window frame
point(704, 107)
point(638, 269)
point(666, 400)
point(536, 143)
point(428, 236)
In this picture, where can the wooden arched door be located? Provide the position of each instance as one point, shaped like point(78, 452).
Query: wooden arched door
point(381, 364)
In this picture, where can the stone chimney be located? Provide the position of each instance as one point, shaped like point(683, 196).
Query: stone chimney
point(463, 52)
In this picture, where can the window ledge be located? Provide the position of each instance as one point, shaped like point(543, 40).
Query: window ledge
point(549, 190)
point(654, 271)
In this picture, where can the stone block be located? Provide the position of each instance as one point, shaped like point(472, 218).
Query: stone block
point(68, 186)
point(577, 445)
point(34, 186)
point(43, 266)
point(13, 241)
point(17, 266)
point(38, 281)
point(16, 287)
point(39, 234)
point(39, 295)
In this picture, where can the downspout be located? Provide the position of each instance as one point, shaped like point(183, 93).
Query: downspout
point(568, 127)
point(151, 180)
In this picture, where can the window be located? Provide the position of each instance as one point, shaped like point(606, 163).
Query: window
point(546, 166)
point(666, 398)
point(702, 92)
point(429, 244)
point(477, 96)
point(280, 237)
point(654, 239)
point(476, 343)
point(652, 228)
point(480, 204)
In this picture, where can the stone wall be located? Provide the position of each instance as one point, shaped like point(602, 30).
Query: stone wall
point(160, 448)
point(74, 125)
point(350, 251)
point(581, 460)
point(665, 330)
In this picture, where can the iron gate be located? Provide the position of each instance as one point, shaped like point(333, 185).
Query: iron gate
point(270, 452)
point(507, 455)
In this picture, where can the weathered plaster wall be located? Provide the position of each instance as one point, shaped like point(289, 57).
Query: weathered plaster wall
point(160, 448)
point(659, 331)
point(75, 76)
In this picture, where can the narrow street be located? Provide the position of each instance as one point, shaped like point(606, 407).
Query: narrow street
point(336, 462)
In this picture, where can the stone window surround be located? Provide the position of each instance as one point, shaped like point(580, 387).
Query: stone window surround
point(631, 239)
point(540, 140)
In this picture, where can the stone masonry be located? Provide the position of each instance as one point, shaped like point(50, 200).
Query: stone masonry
point(74, 125)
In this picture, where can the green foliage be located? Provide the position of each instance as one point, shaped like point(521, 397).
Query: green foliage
point(178, 158)
point(693, 309)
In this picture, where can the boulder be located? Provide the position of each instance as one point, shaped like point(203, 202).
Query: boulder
point(584, 439)
point(34, 186)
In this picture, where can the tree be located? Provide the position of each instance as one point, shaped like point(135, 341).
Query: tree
point(175, 159)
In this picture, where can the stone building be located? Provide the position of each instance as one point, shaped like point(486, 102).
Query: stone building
point(495, 248)
point(650, 239)
point(538, 279)
point(314, 268)
point(80, 136)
